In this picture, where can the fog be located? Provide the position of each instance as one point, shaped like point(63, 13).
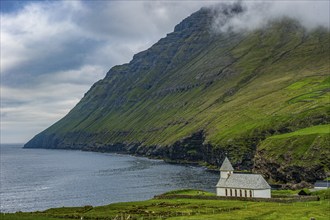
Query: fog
point(250, 15)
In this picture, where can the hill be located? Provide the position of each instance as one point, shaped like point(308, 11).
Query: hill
point(196, 95)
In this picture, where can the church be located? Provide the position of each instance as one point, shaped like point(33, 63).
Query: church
point(241, 185)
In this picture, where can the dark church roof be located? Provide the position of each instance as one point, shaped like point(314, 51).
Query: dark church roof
point(323, 184)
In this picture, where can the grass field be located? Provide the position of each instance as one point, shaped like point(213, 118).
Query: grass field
point(319, 129)
point(305, 146)
point(190, 209)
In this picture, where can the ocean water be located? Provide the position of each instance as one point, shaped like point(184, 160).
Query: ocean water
point(38, 179)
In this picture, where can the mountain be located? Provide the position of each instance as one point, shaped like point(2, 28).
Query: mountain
point(261, 97)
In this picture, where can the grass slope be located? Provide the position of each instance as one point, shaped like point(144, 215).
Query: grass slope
point(189, 209)
point(304, 147)
point(319, 129)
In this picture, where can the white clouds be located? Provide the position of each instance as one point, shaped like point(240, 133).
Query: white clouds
point(32, 36)
point(310, 13)
point(54, 36)
point(257, 14)
point(25, 112)
point(83, 76)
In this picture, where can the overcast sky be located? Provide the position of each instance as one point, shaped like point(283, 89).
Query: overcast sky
point(53, 51)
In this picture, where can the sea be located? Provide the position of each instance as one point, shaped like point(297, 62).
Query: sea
point(39, 179)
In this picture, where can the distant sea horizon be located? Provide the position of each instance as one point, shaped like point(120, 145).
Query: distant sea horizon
point(38, 179)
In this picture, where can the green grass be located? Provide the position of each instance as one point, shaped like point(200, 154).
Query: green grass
point(319, 129)
point(323, 194)
point(285, 192)
point(27, 216)
point(189, 209)
point(303, 147)
point(190, 192)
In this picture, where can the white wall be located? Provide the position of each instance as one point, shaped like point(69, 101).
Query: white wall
point(221, 192)
point(320, 188)
point(224, 174)
point(256, 193)
point(262, 193)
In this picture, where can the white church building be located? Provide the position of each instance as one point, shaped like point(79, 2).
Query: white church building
point(241, 185)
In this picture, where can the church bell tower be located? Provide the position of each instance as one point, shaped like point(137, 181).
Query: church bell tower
point(226, 169)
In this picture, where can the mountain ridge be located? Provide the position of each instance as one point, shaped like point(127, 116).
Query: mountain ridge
point(196, 95)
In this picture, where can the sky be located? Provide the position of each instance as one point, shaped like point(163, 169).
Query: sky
point(53, 51)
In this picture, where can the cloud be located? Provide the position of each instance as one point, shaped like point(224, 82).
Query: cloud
point(45, 37)
point(256, 14)
point(38, 40)
point(25, 112)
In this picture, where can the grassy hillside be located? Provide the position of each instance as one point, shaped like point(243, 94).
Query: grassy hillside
point(196, 95)
point(306, 147)
point(189, 208)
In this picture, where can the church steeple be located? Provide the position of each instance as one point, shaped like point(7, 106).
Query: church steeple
point(226, 169)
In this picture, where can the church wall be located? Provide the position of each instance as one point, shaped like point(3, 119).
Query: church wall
point(254, 193)
point(262, 193)
point(221, 192)
point(224, 174)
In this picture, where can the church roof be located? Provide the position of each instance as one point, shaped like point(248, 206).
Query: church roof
point(226, 165)
point(324, 184)
point(244, 181)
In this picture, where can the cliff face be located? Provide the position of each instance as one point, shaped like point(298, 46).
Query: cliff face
point(196, 95)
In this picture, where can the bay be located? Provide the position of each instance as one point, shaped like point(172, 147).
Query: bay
point(38, 179)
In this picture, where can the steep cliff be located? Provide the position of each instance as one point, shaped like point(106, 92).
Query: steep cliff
point(196, 95)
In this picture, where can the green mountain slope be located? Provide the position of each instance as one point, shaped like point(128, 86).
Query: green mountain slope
point(196, 95)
